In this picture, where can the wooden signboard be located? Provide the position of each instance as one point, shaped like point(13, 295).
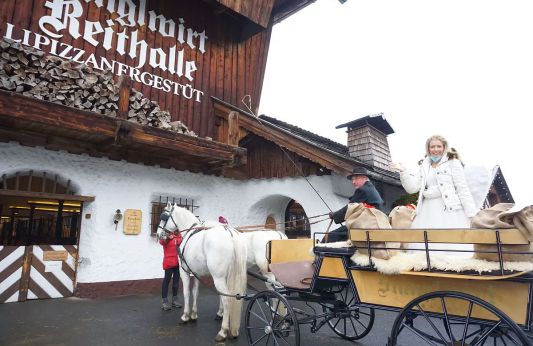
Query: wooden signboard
point(55, 255)
point(132, 221)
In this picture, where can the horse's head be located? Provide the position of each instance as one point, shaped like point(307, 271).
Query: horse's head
point(175, 218)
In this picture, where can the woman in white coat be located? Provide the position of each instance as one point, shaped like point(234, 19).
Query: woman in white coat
point(444, 199)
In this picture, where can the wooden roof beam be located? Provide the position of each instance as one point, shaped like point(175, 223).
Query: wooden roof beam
point(286, 140)
point(39, 123)
point(45, 195)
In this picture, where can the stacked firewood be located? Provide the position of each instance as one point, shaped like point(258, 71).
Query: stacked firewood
point(29, 72)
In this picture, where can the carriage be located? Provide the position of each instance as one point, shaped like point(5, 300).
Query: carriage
point(434, 306)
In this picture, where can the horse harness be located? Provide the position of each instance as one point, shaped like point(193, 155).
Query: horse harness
point(165, 216)
point(195, 230)
point(189, 271)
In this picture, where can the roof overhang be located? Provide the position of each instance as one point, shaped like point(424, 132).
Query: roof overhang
point(34, 122)
point(249, 123)
point(255, 16)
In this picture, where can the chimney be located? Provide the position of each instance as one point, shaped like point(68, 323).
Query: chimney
point(367, 140)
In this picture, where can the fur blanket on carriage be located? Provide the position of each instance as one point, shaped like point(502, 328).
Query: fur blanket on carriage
point(501, 217)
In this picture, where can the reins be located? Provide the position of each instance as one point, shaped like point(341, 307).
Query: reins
point(298, 168)
point(248, 228)
point(327, 231)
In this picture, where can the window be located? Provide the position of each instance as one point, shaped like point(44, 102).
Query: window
point(158, 205)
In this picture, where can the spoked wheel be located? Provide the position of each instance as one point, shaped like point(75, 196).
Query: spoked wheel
point(270, 320)
point(349, 321)
point(454, 319)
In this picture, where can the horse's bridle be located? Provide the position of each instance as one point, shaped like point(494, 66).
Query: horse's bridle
point(165, 216)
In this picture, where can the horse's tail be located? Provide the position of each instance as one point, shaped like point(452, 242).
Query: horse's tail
point(236, 282)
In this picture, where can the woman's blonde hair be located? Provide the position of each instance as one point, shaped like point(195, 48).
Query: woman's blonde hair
point(450, 152)
point(437, 138)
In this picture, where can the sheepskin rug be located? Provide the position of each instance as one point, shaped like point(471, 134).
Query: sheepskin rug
point(416, 261)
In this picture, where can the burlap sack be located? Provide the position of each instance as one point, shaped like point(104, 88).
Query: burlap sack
point(522, 218)
point(402, 217)
point(490, 218)
point(359, 217)
point(499, 217)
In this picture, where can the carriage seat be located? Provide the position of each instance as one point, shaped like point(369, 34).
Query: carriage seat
point(295, 274)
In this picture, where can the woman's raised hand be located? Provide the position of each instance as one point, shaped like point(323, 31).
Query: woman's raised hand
point(396, 167)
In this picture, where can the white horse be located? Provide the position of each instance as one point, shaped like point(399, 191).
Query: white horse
point(256, 244)
point(219, 251)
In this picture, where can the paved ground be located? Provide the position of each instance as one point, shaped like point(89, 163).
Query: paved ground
point(136, 320)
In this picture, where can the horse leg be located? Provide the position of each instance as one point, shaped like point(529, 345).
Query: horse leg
point(195, 291)
point(220, 311)
point(220, 284)
point(186, 282)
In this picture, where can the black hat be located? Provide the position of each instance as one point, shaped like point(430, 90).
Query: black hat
point(360, 171)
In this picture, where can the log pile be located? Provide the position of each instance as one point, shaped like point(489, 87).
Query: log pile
point(50, 78)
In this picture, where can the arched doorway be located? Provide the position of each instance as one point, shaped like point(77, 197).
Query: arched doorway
point(40, 221)
point(38, 210)
point(296, 221)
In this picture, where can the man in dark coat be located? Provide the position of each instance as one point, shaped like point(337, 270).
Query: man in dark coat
point(365, 192)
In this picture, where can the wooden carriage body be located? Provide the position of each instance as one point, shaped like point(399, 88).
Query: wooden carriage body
point(310, 271)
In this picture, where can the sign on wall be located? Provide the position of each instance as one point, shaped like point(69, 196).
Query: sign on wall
point(120, 33)
point(55, 255)
point(132, 221)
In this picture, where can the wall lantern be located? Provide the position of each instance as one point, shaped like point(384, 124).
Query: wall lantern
point(116, 218)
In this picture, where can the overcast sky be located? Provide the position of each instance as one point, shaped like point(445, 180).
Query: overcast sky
point(459, 68)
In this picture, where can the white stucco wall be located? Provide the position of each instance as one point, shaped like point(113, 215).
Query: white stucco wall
point(110, 255)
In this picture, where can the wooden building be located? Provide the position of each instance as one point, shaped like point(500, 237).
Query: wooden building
point(109, 109)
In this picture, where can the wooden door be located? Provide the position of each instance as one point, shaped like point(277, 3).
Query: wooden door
point(37, 272)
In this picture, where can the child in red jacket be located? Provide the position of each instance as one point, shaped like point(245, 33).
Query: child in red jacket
point(171, 267)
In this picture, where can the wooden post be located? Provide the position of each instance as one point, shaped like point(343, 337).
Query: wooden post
point(25, 276)
point(29, 180)
point(43, 187)
point(29, 239)
point(124, 97)
point(8, 235)
point(55, 184)
point(59, 223)
point(68, 188)
point(17, 175)
point(233, 129)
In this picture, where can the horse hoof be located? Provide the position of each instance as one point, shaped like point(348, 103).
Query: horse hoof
point(218, 318)
point(220, 338)
point(193, 320)
point(183, 321)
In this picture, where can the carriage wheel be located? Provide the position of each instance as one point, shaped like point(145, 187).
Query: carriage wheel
point(428, 320)
point(270, 320)
point(348, 320)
